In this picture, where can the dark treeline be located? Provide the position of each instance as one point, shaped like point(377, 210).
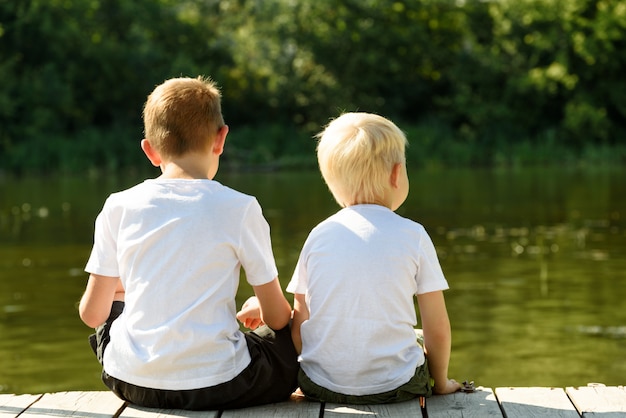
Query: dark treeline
point(471, 82)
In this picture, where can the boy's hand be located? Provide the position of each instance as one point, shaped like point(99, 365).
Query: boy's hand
point(451, 386)
point(250, 313)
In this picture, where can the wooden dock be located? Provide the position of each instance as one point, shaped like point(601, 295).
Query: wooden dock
point(595, 400)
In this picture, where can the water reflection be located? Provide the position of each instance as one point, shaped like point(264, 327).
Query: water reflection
point(535, 260)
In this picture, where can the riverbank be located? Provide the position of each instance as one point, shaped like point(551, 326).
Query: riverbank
point(273, 147)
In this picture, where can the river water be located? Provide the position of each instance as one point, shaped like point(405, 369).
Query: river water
point(535, 259)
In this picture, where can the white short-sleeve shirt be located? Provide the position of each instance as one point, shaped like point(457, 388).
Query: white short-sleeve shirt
point(178, 246)
point(360, 270)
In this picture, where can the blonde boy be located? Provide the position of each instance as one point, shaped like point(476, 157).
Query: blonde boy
point(164, 271)
point(359, 272)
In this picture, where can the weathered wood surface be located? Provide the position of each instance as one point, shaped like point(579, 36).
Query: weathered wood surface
point(594, 401)
point(404, 409)
point(297, 407)
point(479, 404)
point(599, 401)
point(535, 402)
point(12, 405)
point(132, 411)
point(72, 404)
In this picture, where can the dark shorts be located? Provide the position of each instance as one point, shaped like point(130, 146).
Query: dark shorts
point(419, 385)
point(271, 376)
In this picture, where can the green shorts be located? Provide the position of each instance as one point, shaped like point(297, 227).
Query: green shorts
point(419, 385)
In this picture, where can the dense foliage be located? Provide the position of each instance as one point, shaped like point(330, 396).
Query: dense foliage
point(472, 82)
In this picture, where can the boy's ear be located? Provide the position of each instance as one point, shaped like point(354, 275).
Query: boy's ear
point(220, 139)
point(152, 154)
point(394, 178)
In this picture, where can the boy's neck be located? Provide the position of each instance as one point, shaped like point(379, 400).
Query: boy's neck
point(378, 202)
point(189, 166)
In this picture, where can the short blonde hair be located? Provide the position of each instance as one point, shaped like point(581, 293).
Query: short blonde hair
point(183, 115)
point(356, 153)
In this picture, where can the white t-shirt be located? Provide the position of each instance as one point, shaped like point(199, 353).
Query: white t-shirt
point(178, 246)
point(360, 270)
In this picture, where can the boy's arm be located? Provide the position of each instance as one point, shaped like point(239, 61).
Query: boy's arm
point(275, 310)
point(437, 340)
point(95, 305)
point(300, 314)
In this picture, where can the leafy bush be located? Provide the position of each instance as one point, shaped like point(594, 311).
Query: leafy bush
point(476, 81)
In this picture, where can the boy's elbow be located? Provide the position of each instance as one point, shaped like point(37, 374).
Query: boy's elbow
point(277, 323)
point(437, 339)
point(277, 315)
point(278, 318)
point(91, 319)
point(92, 323)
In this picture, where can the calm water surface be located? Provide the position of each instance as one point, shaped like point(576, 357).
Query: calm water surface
point(535, 260)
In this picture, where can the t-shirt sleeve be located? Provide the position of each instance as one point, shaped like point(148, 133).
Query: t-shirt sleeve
point(298, 283)
point(430, 277)
point(255, 250)
point(103, 257)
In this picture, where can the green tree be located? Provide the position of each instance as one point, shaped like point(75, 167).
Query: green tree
point(471, 80)
point(78, 69)
point(543, 70)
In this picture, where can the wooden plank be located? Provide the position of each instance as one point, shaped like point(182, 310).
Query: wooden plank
point(134, 411)
point(101, 404)
point(535, 402)
point(592, 401)
point(481, 403)
point(599, 400)
point(12, 405)
point(296, 407)
point(401, 410)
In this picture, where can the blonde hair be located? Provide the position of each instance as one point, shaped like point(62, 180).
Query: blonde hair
point(356, 153)
point(183, 115)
